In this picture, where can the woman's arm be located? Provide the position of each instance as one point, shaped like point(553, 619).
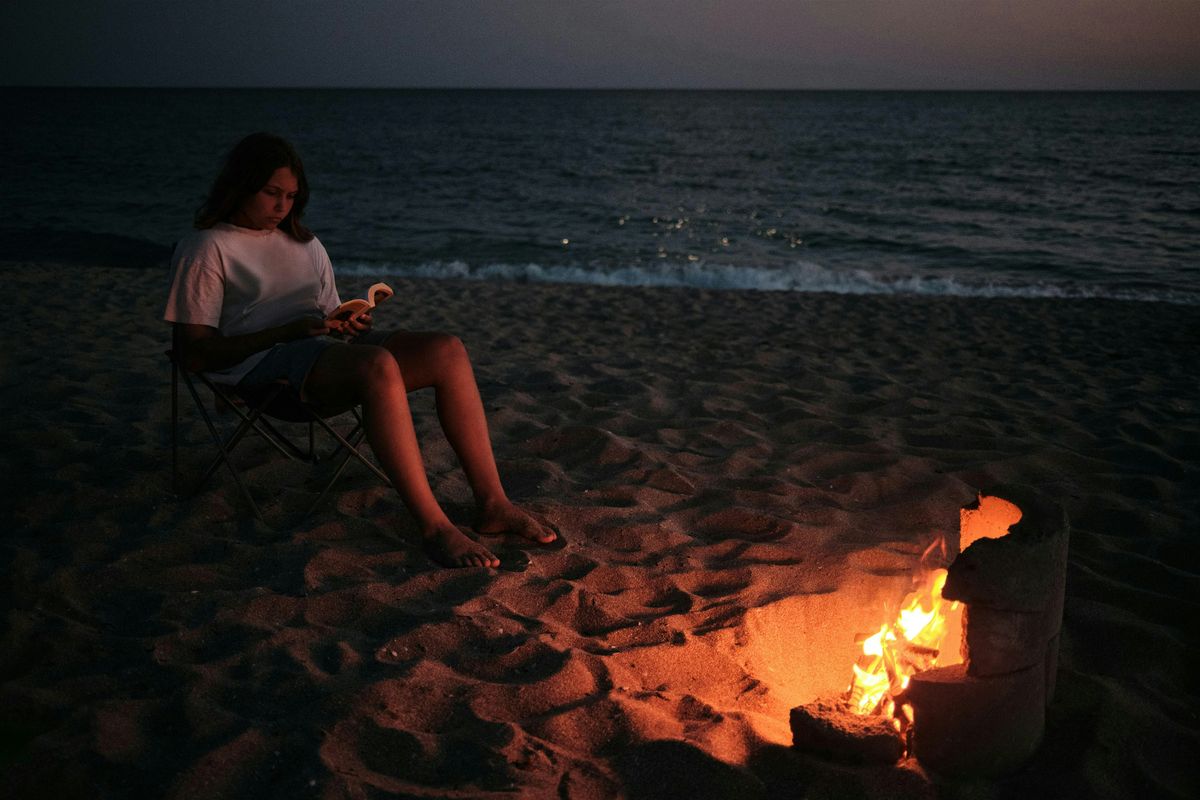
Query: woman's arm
point(205, 349)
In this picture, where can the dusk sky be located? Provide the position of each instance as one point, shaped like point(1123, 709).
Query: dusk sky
point(800, 44)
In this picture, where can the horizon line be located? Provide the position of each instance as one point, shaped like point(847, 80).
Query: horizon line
point(451, 88)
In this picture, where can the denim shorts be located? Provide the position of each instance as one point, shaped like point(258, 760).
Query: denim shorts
point(292, 361)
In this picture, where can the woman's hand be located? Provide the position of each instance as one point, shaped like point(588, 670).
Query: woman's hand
point(358, 326)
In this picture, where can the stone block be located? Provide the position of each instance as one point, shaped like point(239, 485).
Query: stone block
point(976, 726)
point(1013, 587)
point(1023, 571)
point(829, 728)
point(1052, 667)
point(997, 642)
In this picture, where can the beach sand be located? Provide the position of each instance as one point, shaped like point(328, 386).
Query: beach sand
point(744, 480)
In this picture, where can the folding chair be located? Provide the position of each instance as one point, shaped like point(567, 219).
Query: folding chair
point(255, 408)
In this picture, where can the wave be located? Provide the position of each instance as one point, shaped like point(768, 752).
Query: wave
point(798, 277)
point(87, 248)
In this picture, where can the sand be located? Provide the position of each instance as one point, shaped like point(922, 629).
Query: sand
point(745, 480)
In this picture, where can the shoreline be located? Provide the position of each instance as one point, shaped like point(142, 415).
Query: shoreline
point(86, 250)
point(720, 462)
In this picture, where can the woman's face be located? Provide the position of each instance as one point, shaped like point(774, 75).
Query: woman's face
point(266, 208)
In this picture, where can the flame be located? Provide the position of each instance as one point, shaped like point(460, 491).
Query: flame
point(910, 643)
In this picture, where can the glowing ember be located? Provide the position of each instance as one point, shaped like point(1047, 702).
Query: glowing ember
point(905, 646)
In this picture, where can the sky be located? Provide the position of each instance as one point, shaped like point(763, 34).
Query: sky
point(717, 44)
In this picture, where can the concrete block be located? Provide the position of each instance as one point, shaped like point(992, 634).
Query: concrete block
point(1052, 667)
point(1023, 571)
point(972, 726)
point(998, 642)
point(828, 727)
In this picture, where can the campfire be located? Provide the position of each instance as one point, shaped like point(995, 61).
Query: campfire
point(959, 675)
point(908, 644)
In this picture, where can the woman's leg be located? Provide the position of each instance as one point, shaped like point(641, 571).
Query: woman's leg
point(441, 361)
point(346, 375)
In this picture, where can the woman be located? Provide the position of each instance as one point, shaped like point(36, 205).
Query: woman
point(250, 295)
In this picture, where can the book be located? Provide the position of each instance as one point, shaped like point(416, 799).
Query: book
point(353, 309)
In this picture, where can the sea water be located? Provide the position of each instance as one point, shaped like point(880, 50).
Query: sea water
point(993, 194)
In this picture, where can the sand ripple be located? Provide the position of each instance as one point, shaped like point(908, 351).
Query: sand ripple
point(745, 482)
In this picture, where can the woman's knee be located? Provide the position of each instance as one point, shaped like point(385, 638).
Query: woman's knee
point(350, 374)
point(428, 359)
point(374, 367)
point(446, 349)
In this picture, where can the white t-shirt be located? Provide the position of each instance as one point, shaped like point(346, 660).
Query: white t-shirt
point(240, 280)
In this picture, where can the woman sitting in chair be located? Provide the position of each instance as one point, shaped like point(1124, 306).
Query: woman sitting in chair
point(250, 296)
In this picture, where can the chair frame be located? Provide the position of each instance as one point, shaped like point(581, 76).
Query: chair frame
point(254, 417)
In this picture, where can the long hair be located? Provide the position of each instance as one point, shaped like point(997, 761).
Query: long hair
point(248, 167)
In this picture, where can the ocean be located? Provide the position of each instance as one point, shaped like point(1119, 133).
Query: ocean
point(1038, 194)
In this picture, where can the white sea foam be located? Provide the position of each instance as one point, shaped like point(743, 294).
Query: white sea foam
point(799, 277)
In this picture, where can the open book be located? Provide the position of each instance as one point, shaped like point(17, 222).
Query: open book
point(353, 309)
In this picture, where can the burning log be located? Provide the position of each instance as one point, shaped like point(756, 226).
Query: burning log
point(828, 726)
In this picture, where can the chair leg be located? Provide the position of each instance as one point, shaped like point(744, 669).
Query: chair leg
point(263, 426)
point(350, 443)
point(254, 420)
point(223, 447)
point(357, 434)
point(249, 422)
point(265, 429)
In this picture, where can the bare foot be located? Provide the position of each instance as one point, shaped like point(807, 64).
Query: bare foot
point(504, 518)
point(450, 547)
